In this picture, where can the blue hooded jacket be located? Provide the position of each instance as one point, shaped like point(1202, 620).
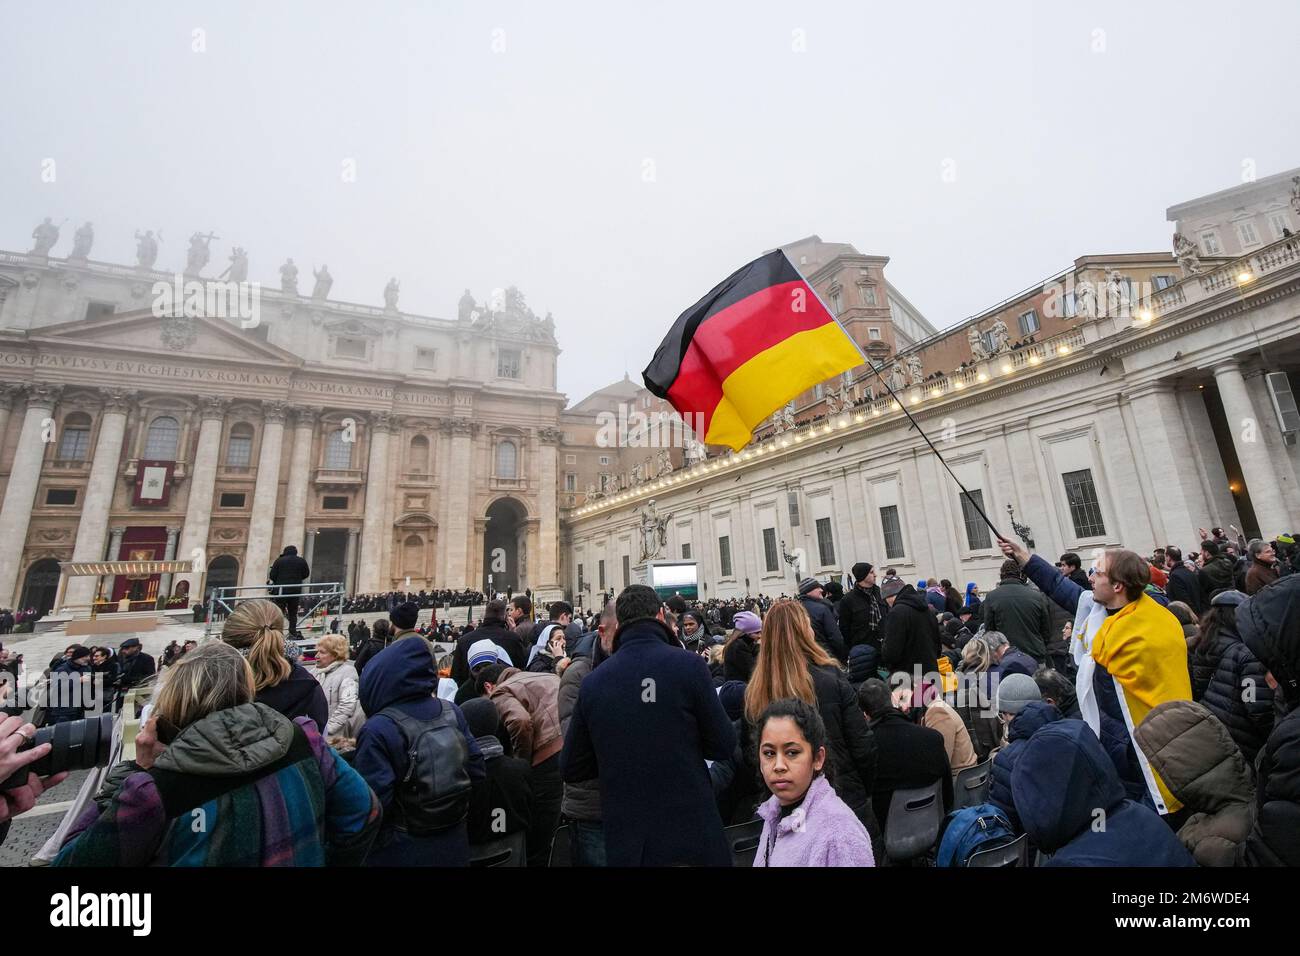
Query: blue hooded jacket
point(1036, 715)
point(1064, 785)
point(402, 676)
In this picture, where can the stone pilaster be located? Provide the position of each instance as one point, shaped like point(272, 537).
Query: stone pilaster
point(257, 557)
point(459, 469)
point(545, 564)
point(24, 477)
point(1257, 469)
point(372, 530)
point(203, 482)
point(295, 502)
point(98, 501)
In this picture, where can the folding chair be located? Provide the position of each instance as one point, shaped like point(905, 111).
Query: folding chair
point(915, 816)
point(506, 852)
point(971, 786)
point(1015, 853)
point(743, 840)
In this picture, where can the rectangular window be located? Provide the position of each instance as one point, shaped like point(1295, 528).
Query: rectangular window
point(837, 305)
point(508, 362)
point(770, 559)
point(61, 496)
point(75, 444)
point(1163, 282)
point(426, 359)
point(1085, 511)
point(604, 459)
point(1246, 230)
point(232, 499)
point(869, 295)
point(873, 334)
point(334, 503)
point(1069, 305)
point(239, 451)
point(686, 552)
point(825, 543)
point(346, 347)
point(1277, 222)
point(570, 482)
point(627, 570)
point(570, 459)
point(600, 571)
point(977, 532)
point(893, 532)
point(1210, 244)
point(819, 392)
point(1029, 323)
point(792, 499)
point(724, 556)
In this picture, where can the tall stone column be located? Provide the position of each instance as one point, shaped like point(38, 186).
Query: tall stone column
point(20, 492)
point(1261, 477)
point(1180, 504)
point(350, 563)
point(265, 492)
point(377, 490)
point(114, 549)
point(203, 482)
point(295, 499)
point(98, 502)
point(8, 395)
point(165, 580)
point(309, 545)
point(546, 561)
point(459, 471)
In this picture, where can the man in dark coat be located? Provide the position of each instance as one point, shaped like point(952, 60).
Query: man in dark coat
point(1070, 565)
point(289, 571)
point(1217, 571)
point(863, 609)
point(1020, 612)
point(907, 754)
point(910, 642)
point(1182, 584)
point(645, 722)
point(137, 667)
point(825, 628)
point(494, 627)
point(1269, 623)
point(508, 787)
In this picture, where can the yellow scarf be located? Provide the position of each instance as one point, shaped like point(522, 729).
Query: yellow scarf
point(1142, 647)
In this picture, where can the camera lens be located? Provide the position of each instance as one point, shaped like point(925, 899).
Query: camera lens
point(76, 745)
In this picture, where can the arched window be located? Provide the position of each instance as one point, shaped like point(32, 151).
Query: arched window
point(74, 445)
point(507, 460)
point(162, 440)
point(413, 556)
point(338, 450)
point(417, 459)
point(239, 448)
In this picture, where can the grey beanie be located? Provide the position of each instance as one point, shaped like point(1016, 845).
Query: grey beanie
point(1015, 692)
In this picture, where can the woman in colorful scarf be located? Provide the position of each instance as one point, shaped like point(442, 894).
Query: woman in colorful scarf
point(804, 823)
point(219, 780)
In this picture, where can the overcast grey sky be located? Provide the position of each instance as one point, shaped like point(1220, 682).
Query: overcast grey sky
point(616, 160)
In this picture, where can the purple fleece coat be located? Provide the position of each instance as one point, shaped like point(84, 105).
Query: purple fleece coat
point(822, 831)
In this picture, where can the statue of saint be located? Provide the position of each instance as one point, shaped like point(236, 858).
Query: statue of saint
point(82, 240)
point(324, 280)
point(976, 340)
point(914, 369)
point(465, 308)
point(198, 254)
point(1117, 301)
point(665, 462)
point(146, 249)
point(390, 294)
point(1085, 300)
point(1001, 336)
point(289, 277)
point(237, 271)
point(896, 380)
point(654, 531)
point(1188, 256)
point(1295, 194)
point(46, 235)
point(833, 404)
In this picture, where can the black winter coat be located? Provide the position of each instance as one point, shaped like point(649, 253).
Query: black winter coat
point(911, 635)
point(1183, 587)
point(1021, 613)
point(908, 755)
point(1275, 838)
point(852, 746)
point(289, 569)
point(855, 617)
point(1218, 575)
point(825, 627)
point(739, 658)
point(1224, 672)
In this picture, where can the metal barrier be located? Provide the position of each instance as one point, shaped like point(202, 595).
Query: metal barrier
point(314, 600)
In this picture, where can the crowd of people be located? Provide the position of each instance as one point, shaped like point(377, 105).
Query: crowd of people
point(385, 601)
point(1158, 691)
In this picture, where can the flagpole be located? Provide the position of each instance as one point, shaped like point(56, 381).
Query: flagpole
point(915, 424)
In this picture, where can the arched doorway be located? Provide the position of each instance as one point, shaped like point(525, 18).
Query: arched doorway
point(41, 586)
point(504, 550)
point(223, 572)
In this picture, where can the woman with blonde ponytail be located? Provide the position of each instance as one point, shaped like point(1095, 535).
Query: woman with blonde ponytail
point(792, 665)
point(257, 630)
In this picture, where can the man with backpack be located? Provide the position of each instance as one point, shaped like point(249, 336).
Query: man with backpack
point(528, 704)
point(418, 755)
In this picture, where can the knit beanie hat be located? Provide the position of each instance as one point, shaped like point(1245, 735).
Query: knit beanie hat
point(1015, 692)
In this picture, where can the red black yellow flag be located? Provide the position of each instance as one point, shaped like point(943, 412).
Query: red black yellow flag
point(757, 340)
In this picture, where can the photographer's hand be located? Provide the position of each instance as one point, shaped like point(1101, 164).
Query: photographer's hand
point(147, 745)
point(13, 733)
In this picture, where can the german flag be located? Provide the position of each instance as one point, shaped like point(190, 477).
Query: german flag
point(757, 340)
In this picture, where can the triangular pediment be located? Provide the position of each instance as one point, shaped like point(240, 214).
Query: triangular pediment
point(173, 336)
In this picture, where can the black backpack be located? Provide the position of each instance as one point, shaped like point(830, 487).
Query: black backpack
point(434, 794)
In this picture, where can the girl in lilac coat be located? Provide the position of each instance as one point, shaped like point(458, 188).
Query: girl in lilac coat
point(805, 823)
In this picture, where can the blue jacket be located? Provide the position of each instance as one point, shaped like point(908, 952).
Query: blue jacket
point(1028, 722)
point(644, 724)
point(402, 676)
point(1016, 661)
point(1072, 805)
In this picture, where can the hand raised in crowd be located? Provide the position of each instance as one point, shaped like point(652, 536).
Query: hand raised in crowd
point(147, 746)
point(1013, 550)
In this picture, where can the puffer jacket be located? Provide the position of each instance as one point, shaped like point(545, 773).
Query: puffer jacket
point(529, 708)
point(342, 686)
point(1229, 680)
point(1028, 722)
point(1201, 765)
